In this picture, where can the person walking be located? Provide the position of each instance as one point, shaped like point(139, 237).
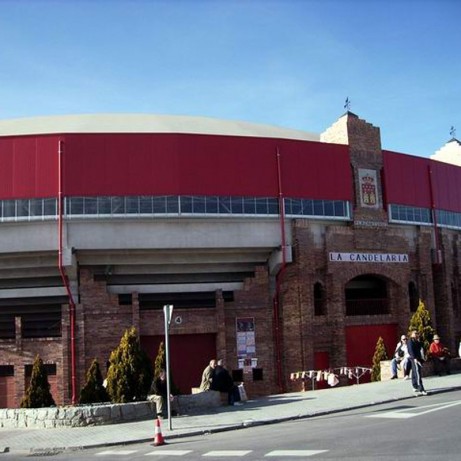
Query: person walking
point(416, 358)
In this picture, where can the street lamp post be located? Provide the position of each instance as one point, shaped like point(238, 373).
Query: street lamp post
point(167, 313)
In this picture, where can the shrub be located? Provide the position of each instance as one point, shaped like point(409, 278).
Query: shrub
point(93, 391)
point(160, 364)
point(380, 354)
point(421, 322)
point(130, 371)
point(38, 393)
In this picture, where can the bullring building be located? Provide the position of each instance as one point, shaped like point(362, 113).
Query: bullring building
point(280, 250)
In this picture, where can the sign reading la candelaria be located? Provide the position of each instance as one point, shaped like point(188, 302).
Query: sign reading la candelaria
point(369, 257)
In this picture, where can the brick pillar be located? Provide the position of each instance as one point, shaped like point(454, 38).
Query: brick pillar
point(365, 152)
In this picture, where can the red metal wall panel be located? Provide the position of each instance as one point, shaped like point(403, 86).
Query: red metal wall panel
point(173, 164)
point(28, 166)
point(187, 164)
point(447, 186)
point(407, 182)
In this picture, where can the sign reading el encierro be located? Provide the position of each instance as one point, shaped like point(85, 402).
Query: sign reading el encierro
point(368, 257)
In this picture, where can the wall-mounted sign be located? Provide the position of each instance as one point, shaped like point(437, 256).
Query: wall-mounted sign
point(369, 257)
point(368, 185)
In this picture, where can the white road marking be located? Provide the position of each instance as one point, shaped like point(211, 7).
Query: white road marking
point(116, 452)
point(295, 452)
point(228, 453)
point(405, 414)
point(168, 453)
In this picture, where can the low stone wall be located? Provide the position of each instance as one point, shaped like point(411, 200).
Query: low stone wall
point(428, 368)
point(199, 401)
point(95, 415)
point(90, 415)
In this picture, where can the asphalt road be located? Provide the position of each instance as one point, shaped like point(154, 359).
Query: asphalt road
point(423, 428)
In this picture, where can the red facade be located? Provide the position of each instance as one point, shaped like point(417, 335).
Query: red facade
point(421, 182)
point(173, 164)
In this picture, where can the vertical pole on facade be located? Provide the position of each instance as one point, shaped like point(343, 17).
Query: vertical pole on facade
point(437, 257)
point(279, 275)
point(65, 278)
point(167, 313)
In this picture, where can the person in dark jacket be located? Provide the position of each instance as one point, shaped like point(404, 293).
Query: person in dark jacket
point(158, 394)
point(416, 358)
point(223, 382)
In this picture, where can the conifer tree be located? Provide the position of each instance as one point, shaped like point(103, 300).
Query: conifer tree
point(160, 364)
point(421, 322)
point(160, 360)
point(130, 371)
point(93, 391)
point(38, 393)
point(379, 355)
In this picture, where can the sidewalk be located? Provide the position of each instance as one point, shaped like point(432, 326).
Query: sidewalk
point(265, 410)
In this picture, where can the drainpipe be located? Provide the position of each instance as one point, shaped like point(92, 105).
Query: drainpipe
point(278, 279)
point(438, 260)
point(65, 279)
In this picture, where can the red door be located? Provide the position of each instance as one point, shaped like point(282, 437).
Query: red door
point(7, 391)
point(321, 362)
point(189, 355)
point(361, 344)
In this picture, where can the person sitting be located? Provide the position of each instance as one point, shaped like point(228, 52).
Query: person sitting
point(158, 394)
point(208, 375)
point(223, 382)
point(401, 359)
point(440, 356)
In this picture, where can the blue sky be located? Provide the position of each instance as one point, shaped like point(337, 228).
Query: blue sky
point(290, 63)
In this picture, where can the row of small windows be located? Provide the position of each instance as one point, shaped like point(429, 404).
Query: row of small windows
point(46, 208)
point(408, 214)
point(423, 216)
point(33, 209)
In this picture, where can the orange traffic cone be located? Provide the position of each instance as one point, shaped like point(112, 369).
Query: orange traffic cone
point(158, 440)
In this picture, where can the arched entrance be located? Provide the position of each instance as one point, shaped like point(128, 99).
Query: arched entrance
point(367, 295)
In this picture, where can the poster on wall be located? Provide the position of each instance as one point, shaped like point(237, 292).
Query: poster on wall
point(246, 344)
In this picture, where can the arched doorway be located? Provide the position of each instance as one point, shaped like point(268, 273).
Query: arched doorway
point(367, 295)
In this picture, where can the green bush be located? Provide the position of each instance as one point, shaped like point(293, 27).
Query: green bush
point(421, 322)
point(160, 364)
point(130, 371)
point(93, 391)
point(38, 393)
point(380, 354)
